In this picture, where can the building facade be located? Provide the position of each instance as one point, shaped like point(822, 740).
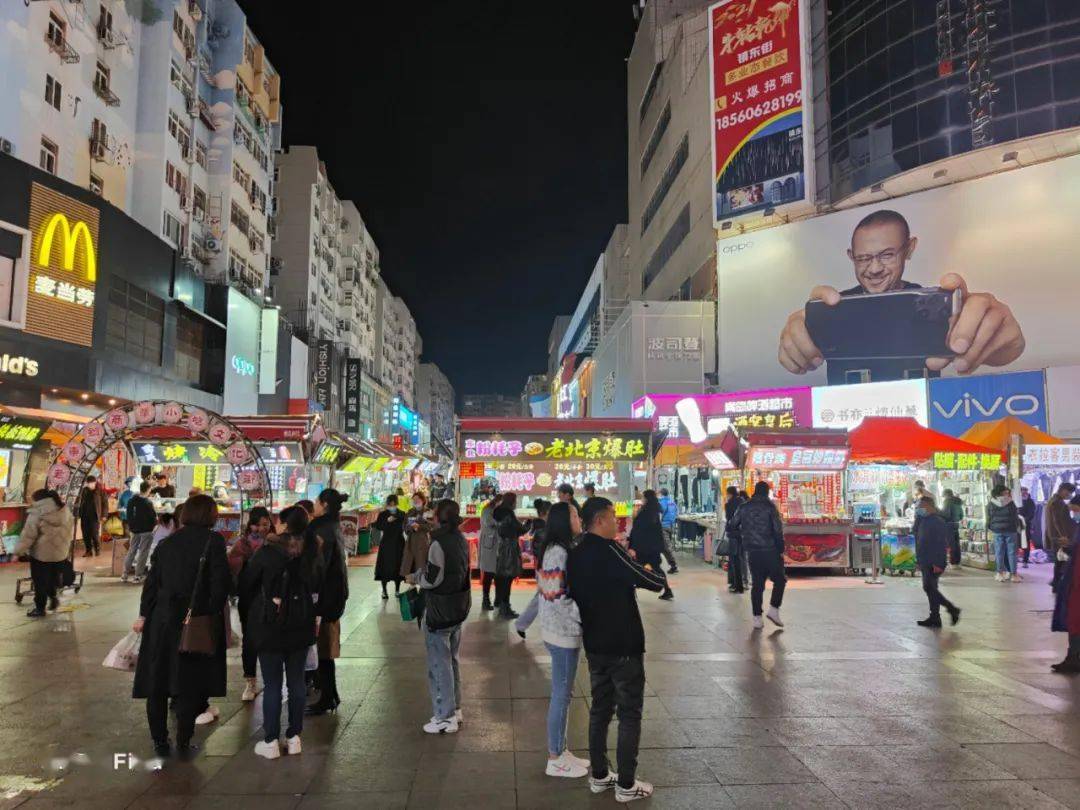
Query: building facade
point(435, 401)
point(399, 345)
point(493, 405)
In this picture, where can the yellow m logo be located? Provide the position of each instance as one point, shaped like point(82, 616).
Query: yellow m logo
point(71, 238)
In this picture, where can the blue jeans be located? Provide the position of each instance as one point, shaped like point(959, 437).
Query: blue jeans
point(1005, 552)
point(138, 553)
point(563, 669)
point(292, 665)
point(444, 679)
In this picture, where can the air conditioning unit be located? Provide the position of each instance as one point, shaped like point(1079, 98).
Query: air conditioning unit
point(6, 146)
point(213, 243)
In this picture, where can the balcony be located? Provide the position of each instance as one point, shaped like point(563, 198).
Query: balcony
point(102, 91)
point(62, 48)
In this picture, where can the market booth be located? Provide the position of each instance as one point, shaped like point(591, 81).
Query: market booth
point(805, 469)
point(533, 457)
point(888, 454)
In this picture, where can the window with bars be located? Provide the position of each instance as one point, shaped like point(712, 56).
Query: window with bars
point(135, 323)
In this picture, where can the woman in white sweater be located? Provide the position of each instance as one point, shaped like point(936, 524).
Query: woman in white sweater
point(560, 627)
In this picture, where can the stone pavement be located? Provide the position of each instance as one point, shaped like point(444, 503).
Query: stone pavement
point(851, 705)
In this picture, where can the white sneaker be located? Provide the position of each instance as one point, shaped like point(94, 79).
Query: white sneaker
point(640, 790)
point(459, 717)
point(564, 766)
point(584, 763)
point(268, 750)
point(607, 783)
point(999, 577)
point(758, 622)
point(773, 615)
point(1017, 578)
point(251, 691)
point(449, 726)
point(208, 717)
point(292, 745)
point(124, 577)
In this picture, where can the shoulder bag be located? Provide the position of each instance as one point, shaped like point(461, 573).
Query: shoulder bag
point(197, 632)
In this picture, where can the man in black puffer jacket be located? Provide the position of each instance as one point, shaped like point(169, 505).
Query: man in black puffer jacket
point(761, 530)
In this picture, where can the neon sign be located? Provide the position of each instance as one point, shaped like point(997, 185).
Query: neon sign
point(243, 366)
point(70, 243)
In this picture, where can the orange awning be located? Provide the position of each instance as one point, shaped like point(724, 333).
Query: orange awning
point(996, 434)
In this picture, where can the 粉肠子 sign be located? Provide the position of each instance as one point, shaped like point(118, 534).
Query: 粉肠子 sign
point(613, 447)
point(758, 116)
point(62, 281)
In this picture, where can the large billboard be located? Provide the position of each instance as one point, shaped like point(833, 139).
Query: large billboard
point(1008, 243)
point(760, 122)
point(958, 403)
point(691, 418)
point(242, 355)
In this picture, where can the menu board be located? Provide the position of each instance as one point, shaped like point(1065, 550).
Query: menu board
point(540, 479)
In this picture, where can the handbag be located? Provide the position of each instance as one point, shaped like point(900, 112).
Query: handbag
point(411, 603)
point(197, 632)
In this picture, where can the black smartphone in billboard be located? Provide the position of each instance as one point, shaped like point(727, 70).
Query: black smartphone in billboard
point(893, 325)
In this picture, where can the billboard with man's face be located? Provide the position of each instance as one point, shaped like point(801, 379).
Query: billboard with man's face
point(968, 278)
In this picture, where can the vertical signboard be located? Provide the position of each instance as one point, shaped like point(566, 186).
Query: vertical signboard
point(760, 120)
point(268, 351)
point(242, 355)
point(324, 373)
point(352, 394)
point(63, 267)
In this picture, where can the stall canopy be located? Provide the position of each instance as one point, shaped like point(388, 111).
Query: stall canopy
point(996, 434)
point(902, 440)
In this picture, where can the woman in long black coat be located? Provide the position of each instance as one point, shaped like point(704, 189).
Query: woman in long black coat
point(647, 536)
point(162, 671)
point(324, 533)
point(391, 522)
point(508, 559)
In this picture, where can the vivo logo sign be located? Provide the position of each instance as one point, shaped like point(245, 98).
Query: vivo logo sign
point(243, 366)
point(958, 403)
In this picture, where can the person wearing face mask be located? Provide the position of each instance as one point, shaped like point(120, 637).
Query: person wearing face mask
point(324, 553)
point(418, 525)
point(92, 509)
point(1003, 523)
point(931, 546)
point(391, 523)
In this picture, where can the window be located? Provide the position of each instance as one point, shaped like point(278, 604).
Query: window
point(49, 156)
point(170, 228)
point(678, 160)
point(105, 25)
point(99, 140)
point(650, 91)
point(200, 153)
point(101, 77)
point(655, 138)
point(53, 91)
point(135, 323)
point(190, 339)
point(55, 33)
point(249, 50)
point(181, 134)
point(97, 186)
point(667, 247)
point(175, 179)
point(239, 217)
point(198, 200)
point(187, 39)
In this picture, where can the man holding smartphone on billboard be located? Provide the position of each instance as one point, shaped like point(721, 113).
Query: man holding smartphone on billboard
point(984, 332)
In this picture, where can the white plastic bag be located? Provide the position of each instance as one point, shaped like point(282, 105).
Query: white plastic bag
point(312, 662)
point(125, 654)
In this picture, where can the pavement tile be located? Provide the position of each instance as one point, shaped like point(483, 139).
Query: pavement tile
point(1064, 791)
point(756, 766)
point(1030, 760)
point(813, 794)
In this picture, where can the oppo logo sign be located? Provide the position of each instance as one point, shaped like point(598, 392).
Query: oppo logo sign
point(969, 406)
point(736, 248)
point(243, 366)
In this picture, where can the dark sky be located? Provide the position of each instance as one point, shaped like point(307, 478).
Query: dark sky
point(484, 143)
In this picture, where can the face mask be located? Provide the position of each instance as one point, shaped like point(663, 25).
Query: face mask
point(1004, 500)
point(392, 510)
point(921, 512)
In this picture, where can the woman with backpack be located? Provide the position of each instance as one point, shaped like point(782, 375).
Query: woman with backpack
point(325, 531)
point(447, 587)
point(278, 585)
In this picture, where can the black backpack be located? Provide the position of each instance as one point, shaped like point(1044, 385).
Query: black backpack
point(294, 609)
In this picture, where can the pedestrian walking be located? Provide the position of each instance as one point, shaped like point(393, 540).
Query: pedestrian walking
point(141, 522)
point(737, 567)
point(602, 580)
point(46, 539)
point(92, 508)
point(189, 577)
point(560, 629)
point(239, 555)
point(1067, 612)
point(669, 520)
point(1059, 529)
point(647, 537)
point(1003, 524)
point(447, 587)
point(325, 542)
point(762, 533)
point(1027, 512)
point(508, 560)
point(488, 549)
point(931, 548)
point(279, 584)
point(953, 513)
point(538, 532)
point(391, 525)
point(418, 525)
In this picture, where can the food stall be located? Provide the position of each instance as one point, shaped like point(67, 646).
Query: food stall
point(888, 455)
point(533, 457)
point(805, 470)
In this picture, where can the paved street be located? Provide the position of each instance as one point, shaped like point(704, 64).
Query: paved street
point(851, 705)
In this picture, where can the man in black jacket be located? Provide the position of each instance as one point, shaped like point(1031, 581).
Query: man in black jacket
point(736, 575)
point(141, 521)
point(762, 534)
point(931, 544)
point(601, 578)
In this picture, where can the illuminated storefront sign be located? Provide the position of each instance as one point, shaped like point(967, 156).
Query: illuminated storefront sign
point(63, 268)
point(540, 478)
point(185, 453)
point(471, 469)
point(692, 419)
point(25, 366)
point(616, 447)
point(798, 458)
point(967, 461)
point(328, 453)
point(1051, 455)
point(243, 366)
point(20, 434)
point(845, 406)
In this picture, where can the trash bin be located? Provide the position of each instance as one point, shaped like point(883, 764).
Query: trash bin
point(363, 541)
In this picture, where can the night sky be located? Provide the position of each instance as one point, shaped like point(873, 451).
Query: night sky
point(484, 144)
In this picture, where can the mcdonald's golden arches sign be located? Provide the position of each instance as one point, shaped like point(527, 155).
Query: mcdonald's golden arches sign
point(63, 267)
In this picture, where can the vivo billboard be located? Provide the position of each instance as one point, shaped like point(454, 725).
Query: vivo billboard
point(957, 403)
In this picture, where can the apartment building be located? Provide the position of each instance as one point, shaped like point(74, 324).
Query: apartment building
point(435, 401)
point(170, 116)
point(492, 405)
point(399, 345)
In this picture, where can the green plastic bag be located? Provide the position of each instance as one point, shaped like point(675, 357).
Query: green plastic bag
point(411, 602)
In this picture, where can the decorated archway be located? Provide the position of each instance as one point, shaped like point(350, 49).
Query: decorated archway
point(123, 424)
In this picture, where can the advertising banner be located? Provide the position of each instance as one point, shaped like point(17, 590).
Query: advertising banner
point(845, 406)
point(1014, 273)
point(957, 403)
point(1062, 394)
point(242, 355)
point(324, 373)
point(353, 367)
point(772, 409)
point(606, 447)
point(756, 55)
